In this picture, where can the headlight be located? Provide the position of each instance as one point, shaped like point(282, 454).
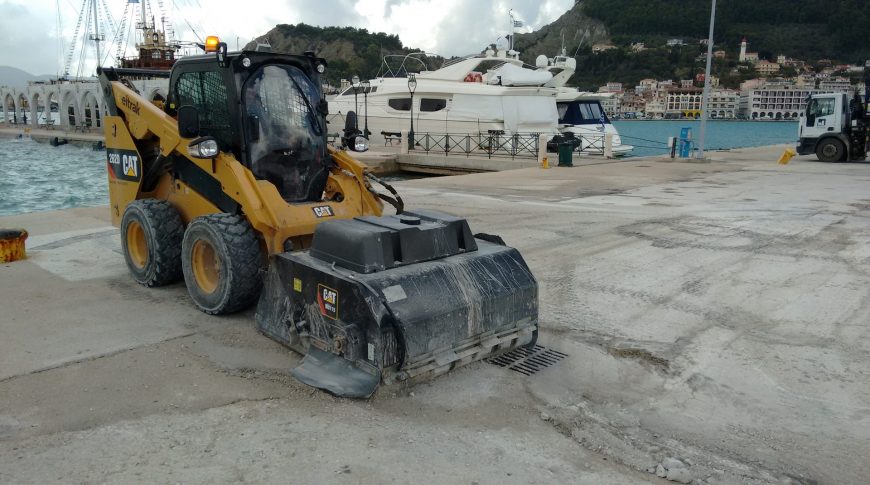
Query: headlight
point(246, 62)
point(206, 147)
point(360, 144)
point(321, 68)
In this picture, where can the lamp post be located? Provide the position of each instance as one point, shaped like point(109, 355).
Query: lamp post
point(705, 98)
point(355, 83)
point(412, 86)
point(366, 86)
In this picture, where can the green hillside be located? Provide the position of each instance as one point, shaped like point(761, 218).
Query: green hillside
point(348, 50)
point(798, 28)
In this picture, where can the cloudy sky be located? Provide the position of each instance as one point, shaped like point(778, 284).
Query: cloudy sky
point(30, 41)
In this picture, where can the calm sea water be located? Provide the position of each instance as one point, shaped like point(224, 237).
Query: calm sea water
point(38, 177)
point(649, 137)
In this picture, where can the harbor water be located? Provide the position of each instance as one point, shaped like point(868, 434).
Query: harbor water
point(649, 137)
point(38, 177)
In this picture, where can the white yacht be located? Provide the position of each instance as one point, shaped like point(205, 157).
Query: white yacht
point(490, 92)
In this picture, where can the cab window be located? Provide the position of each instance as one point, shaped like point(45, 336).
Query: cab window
point(821, 107)
point(207, 92)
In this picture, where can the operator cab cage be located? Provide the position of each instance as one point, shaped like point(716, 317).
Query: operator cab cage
point(266, 109)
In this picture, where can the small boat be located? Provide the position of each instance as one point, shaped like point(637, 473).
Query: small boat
point(581, 115)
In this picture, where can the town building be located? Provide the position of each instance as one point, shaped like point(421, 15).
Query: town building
point(723, 104)
point(751, 57)
point(675, 42)
point(683, 102)
point(766, 67)
point(775, 101)
point(836, 85)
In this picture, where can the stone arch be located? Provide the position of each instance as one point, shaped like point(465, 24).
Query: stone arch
point(90, 110)
point(38, 108)
point(779, 115)
point(8, 106)
point(69, 110)
point(21, 109)
point(52, 106)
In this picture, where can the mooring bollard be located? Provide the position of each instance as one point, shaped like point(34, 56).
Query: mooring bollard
point(12, 245)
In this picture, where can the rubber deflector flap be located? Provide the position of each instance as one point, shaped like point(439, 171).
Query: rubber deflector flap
point(335, 375)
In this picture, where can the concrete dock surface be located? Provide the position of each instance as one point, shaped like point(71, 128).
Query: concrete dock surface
point(715, 315)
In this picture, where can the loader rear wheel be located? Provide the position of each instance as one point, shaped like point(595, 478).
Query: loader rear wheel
point(221, 258)
point(151, 234)
point(830, 150)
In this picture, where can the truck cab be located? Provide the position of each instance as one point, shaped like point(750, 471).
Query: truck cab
point(833, 127)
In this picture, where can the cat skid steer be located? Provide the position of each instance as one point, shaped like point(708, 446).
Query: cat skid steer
point(231, 186)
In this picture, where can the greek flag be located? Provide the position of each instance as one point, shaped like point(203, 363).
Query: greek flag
point(518, 23)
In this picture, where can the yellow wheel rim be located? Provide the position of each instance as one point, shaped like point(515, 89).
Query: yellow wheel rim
point(137, 247)
point(206, 266)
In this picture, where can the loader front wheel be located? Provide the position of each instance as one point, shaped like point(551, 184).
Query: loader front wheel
point(221, 258)
point(151, 234)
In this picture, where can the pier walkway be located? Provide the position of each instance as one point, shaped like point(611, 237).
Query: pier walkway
point(715, 317)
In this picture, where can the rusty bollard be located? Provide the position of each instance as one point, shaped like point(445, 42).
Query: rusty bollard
point(12, 245)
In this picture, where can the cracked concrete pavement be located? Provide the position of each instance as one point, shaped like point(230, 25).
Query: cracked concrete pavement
point(714, 313)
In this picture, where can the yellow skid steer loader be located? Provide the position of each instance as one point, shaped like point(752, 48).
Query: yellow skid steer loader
point(231, 185)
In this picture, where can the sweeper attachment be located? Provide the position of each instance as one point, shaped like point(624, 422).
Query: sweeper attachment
point(231, 185)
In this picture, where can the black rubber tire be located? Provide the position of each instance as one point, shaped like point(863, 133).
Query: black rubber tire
point(240, 259)
point(163, 233)
point(830, 150)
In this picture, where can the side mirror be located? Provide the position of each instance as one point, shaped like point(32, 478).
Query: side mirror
point(188, 122)
point(253, 128)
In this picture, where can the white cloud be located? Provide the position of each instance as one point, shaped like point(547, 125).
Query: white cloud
point(446, 27)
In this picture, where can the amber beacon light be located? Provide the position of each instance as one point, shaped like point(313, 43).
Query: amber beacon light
point(211, 43)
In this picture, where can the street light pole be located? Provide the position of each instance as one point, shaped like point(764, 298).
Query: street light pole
point(412, 86)
point(706, 97)
point(355, 83)
point(366, 86)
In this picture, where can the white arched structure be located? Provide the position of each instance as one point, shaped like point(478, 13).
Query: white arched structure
point(78, 104)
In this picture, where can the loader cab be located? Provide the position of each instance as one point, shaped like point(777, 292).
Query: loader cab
point(266, 109)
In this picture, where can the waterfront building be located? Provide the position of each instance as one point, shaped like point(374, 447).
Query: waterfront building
point(683, 102)
point(675, 42)
point(724, 104)
point(775, 101)
point(655, 109)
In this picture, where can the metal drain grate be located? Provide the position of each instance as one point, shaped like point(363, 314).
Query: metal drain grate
point(528, 361)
